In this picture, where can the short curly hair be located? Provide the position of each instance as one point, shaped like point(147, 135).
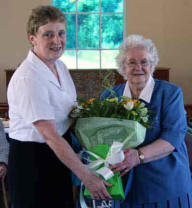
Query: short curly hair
point(41, 15)
point(134, 41)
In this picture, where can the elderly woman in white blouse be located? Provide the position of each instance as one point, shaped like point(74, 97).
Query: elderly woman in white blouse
point(41, 94)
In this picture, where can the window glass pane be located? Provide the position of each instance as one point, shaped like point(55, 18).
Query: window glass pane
point(108, 59)
point(65, 5)
point(88, 31)
point(69, 58)
point(71, 37)
point(88, 59)
point(88, 6)
point(111, 31)
point(112, 5)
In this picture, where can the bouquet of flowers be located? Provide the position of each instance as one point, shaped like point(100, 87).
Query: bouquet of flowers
point(106, 127)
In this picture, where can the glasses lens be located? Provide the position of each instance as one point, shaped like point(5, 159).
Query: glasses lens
point(143, 63)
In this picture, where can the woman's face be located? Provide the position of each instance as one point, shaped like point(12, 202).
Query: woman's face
point(138, 67)
point(49, 41)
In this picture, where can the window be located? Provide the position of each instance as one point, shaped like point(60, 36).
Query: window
point(94, 32)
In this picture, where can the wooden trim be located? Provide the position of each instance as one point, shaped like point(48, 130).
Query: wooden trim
point(188, 108)
point(4, 110)
point(162, 68)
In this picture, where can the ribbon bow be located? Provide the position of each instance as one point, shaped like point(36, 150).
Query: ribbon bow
point(114, 156)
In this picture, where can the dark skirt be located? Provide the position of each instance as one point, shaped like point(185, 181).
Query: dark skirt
point(37, 178)
point(184, 201)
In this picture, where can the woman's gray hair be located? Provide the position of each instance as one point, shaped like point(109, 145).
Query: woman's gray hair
point(136, 41)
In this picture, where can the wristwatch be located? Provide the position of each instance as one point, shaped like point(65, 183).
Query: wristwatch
point(141, 156)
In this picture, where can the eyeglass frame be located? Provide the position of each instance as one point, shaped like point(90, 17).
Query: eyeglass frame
point(144, 65)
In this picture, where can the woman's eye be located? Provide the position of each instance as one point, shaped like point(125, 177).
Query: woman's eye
point(132, 62)
point(62, 33)
point(48, 35)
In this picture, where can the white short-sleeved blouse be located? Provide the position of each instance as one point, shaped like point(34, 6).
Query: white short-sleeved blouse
point(34, 93)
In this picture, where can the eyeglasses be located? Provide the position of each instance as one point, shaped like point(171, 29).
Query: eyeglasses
point(143, 63)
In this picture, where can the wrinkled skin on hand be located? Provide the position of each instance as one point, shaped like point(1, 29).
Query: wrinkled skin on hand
point(131, 160)
point(96, 187)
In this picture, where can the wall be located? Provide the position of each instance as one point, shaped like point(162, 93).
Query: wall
point(167, 22)
point(13, 41)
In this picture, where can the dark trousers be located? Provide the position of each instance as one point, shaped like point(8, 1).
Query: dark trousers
point(37, 179)
point(1, 200)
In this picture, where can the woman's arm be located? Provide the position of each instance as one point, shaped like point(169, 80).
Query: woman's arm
point(154, 151)
point(68, 157)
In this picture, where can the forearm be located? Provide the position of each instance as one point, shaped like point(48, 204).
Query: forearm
point(61, 148)
point(67, 156)
point(156, 150)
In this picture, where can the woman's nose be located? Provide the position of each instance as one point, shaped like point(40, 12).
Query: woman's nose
point(56, 39)
point(138, 66)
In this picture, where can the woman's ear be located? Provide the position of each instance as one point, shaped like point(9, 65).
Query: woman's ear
point(31, 39)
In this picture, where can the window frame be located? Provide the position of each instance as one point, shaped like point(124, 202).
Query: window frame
point(100, 49)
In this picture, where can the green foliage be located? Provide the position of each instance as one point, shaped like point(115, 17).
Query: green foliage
point(65, 5)
point(88, 6)
point(88, 31)
point(130, 109)
point(71, 37)
point(112, 30)
point(112, 6)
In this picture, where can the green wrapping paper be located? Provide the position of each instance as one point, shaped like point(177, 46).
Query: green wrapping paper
point(97, 134)
point(100, 130)
point(116, 191)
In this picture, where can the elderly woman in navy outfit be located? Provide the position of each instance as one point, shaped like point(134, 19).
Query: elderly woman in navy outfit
point(40, 156)
point(158, 170)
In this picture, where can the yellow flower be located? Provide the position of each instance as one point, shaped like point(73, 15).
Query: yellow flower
point(134, 113)
point(128, 100)
point(83, 104)
point(111, 100)
point(90, 101)
point(136, 102)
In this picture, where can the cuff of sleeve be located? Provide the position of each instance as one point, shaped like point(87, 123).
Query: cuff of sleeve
point(174, 137)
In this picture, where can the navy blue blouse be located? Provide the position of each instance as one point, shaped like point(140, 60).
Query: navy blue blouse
point(169, 176)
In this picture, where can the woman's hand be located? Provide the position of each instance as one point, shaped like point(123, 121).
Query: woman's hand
point(3, 170)
point(96, 186)
point(131, 160)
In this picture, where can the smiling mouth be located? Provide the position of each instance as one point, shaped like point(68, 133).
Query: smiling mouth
point(138, 74)
point(55, 48)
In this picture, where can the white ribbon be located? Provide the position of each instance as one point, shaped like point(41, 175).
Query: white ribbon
point(114, 156)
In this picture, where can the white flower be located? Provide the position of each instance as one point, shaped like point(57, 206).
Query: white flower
point(80, 107)
point(77, 110)
point(142, 105)
point(144, 111)
point(145, 119)
point(129, 105)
